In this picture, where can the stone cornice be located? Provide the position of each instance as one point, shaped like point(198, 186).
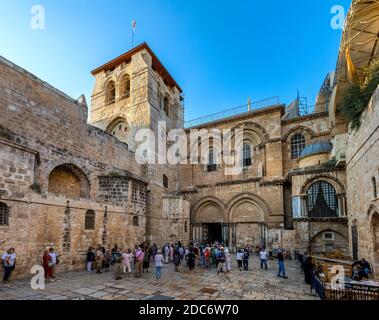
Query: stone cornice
point(315, 170)
point(260, 181)
point(306, 117)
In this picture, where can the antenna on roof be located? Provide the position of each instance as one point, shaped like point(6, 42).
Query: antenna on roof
point(134, 24)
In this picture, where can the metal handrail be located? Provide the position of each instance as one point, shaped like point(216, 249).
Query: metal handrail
point(257, 105)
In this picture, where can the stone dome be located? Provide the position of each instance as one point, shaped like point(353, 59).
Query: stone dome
point(316, 148)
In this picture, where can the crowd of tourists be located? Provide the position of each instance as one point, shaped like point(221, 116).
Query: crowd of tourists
point(141, 259)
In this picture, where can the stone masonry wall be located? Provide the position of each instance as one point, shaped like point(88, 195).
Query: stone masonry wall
point(362, 166)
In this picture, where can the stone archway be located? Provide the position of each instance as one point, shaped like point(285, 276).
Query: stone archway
point(70, 181)
point(208, 221)
point(247, 217)
point(119, 128)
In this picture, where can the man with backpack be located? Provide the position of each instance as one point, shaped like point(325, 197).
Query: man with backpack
point(221, 266)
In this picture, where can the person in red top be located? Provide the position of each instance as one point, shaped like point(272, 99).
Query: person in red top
point(47, 265)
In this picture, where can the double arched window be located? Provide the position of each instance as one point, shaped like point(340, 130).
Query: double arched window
point(297, 145)
point(4, 214)
point(322, 200)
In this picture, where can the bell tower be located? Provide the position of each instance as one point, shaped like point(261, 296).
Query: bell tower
point(135, 91)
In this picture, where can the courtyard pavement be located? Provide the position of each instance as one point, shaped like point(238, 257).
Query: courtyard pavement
point(201, 284)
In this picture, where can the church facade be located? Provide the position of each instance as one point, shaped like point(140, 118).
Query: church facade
point(70, 184)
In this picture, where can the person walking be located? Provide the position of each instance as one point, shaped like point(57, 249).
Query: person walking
point(107, 260)
point(177, 259)
point(117, 261)
point(282, 270)
point(191, 259)
point(263, 256)
point(158, 263)
point(308, 270)
point(47, 264)
point(9, 264)
point(221, 266)
point(166, 254)
point(54, 260)
point(228, 261)
point(99, 260)
point(140, 255)
point(246, 256)
point(90, 259)
point(146, 261)
point(126, 262)
point(239, 259)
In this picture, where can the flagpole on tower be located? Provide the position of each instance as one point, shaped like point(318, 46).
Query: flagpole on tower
point(133, 31)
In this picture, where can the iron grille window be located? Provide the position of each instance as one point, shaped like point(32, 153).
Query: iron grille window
point(297, 145)
point(89, 223)
point(246, 155)
point(4, 214)
point(322, 200)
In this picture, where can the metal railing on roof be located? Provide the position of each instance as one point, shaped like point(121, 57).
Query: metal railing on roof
point(253, 106)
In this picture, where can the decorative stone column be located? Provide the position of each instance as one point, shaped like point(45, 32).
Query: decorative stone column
point(225, 232)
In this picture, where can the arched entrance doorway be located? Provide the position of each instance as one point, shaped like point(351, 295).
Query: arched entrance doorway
point(247, 216)
point(208, 222)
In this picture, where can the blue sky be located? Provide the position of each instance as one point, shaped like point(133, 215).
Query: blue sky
point(220, 52)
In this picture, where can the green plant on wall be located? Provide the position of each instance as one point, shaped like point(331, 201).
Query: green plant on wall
point(357, 97)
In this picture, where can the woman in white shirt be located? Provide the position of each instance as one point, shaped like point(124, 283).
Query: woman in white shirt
point(239, 259)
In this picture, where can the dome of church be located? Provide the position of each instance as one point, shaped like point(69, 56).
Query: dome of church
point(317, 147)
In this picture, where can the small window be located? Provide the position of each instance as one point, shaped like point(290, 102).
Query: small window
point(90, 220)
point(135, 221)
point(246, 155)
point(125, 87)
point(329, 236)
point(185, 226)
point(4, 214)
point(212, 166)
point(297, 145)
point(374, 188)
point(111, 92)
point(166, 106)
point(165, 181)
